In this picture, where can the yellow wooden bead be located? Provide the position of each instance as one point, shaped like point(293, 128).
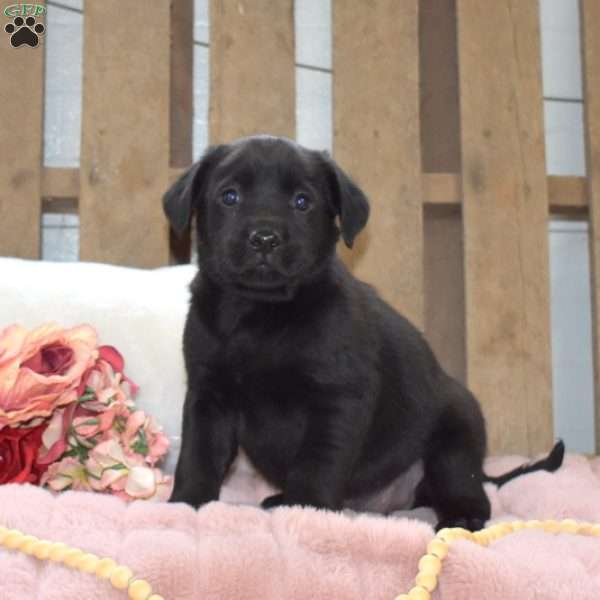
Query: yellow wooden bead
point(495, 532)
point(87, 563)
point(551, 526)
point(27, 544)
point(438, 547)
point(595, 530)
point(105, 567)
point(72, 557)
point(13, 538)
point(569, 526)
point(518, 525)
point(585, 528)
point(461, 534)
point(120, 577)
point(419, 593)
point(504, 529)
point(534, 524)
point(450, 534)
point(3, 532)
point(41, 549)
point(58, 551)
point(445, 534)
point(139, 590)
point(426, 580)
point(430, 564)
point(482, 537)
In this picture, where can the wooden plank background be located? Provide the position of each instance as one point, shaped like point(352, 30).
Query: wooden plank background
point(252, 76)
point(377, 140)
point(505, 204)
point(21, 113)
point(440, 151)
point(125, 133)
point(590, 13)
point(181, 105)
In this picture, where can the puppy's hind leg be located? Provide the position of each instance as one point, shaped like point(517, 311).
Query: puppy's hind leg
point(454, 490)
point(453, 481)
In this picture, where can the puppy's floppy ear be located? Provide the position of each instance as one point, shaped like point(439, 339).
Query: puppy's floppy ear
point(178, 200)
point(349, 201)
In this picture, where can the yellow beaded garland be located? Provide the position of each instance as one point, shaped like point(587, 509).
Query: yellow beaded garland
point(139, 590)
point(430, 564)
point(105, 567)
point(13, 539)
point(120, 576)
point(41, 549)
point(27, 544)
point(72, 557)
point(57, 552)
point(88, 563)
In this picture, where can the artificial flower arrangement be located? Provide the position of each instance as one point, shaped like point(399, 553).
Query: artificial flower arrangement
point(68, 419)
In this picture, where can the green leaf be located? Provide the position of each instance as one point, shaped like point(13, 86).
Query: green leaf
point(117, 467)
point(120, 423)
point(140, 446)
point(88, 394)
point(81, 453)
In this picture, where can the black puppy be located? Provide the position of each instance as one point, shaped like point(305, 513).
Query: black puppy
point(334, 396)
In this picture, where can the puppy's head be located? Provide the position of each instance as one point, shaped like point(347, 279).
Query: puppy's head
point(266, 212)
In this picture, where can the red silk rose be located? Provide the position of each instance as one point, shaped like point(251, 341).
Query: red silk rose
point(18, 452)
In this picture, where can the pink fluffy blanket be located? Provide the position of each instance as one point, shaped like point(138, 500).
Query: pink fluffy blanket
point(233, 552)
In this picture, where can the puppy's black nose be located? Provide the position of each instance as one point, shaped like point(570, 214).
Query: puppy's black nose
point(264, 240)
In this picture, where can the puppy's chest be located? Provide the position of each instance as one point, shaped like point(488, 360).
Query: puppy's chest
point(272, 402)
point(248, 355)
point(260, 378)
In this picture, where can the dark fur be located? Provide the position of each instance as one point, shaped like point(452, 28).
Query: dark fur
point(332, 394)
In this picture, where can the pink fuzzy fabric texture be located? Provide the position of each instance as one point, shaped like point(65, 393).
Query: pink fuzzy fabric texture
point(243, 553)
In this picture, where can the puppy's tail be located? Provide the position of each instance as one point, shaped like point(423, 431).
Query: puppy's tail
point(551, 463)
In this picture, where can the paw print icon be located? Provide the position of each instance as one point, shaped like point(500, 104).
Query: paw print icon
point(24, 32)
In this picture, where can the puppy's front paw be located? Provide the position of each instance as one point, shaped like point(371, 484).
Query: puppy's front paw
point(185, 499)
point(273, 501)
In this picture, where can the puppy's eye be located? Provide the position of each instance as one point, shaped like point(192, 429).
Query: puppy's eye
point(301, 202)
point(230, 198)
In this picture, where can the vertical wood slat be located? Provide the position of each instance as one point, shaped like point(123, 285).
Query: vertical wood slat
point(377, 140)
point(252, 74)
point(505, 211)
point(444, 287)
point(440, 149)
point(125, 133)
point(181, 106)
point(590, 17)
point(21, 116)
point(440, 119)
